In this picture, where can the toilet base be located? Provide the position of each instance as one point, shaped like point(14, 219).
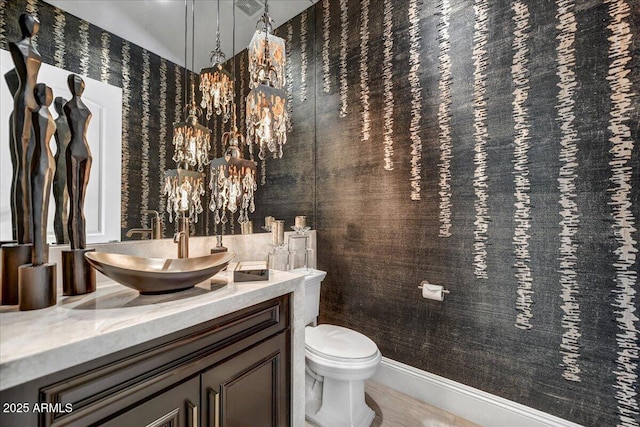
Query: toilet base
point(366, 420)
point(342, 405)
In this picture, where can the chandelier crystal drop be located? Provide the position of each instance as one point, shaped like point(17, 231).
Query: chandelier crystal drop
point(266, 112)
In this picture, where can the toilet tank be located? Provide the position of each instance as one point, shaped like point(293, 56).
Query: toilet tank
point(312, 278)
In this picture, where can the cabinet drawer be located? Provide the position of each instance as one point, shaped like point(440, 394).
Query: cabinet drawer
point(152, 367)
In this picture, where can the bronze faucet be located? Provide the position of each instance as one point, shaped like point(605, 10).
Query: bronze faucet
point(182, 237)
point(155, 232)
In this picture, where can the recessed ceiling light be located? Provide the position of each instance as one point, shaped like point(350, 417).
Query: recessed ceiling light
point(249, 7)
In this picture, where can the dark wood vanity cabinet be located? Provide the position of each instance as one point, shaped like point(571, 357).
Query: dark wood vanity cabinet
point(233, 371)
point(248, 389)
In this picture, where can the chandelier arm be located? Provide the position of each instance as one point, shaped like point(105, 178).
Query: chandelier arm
point(233, 56)
point(193, 33)
point(186, 10)
point(218, 27)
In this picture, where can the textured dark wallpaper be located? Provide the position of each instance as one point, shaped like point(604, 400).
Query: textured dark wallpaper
point(491, 147)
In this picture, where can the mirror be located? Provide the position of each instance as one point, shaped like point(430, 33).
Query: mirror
point(152, 98)
point(102, 206)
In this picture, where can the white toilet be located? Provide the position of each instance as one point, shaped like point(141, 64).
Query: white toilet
point(337, 362)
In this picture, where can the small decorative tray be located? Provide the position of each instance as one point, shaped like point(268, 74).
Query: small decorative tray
point(251, 271)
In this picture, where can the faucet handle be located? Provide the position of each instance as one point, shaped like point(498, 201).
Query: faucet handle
point(156, 224)
point(151, 211)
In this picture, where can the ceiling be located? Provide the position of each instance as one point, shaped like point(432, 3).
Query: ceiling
point(159, 25)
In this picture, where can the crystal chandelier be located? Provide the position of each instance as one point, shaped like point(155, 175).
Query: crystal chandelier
point(216, 83)
point(184, 185)
point(266, 116)
point(233, 179)
point(266, 51)
point(183, 189)
point(191, 140)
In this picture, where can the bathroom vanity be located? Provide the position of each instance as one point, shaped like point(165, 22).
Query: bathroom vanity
point(221, 353)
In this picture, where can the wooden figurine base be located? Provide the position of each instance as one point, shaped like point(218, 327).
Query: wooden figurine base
point(13, 256)
point(37, 286)
point(78, 277)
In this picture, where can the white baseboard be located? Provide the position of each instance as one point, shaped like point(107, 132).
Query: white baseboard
point(475, 405)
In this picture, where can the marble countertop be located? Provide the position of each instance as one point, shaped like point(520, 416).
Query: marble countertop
point(81, 328)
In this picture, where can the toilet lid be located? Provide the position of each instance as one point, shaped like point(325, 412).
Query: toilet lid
point(339, 342)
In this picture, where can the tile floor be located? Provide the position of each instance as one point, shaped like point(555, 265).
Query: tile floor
point(395, 409)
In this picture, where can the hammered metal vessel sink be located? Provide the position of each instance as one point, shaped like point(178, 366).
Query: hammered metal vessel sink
point(158, 275)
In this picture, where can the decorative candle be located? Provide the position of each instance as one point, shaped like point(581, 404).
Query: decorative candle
point(301, 222)
point(274, 233)
point(268, 220)
point(280, 228)
point(277, 232)
point(247, 227)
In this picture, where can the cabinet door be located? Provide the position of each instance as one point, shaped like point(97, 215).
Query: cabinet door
point(250, 389)
point(175, 407)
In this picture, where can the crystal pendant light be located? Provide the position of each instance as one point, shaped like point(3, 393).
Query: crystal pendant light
point(184, 185)
point(266, 48)
point(191, 140)
point(216, 83)
point(266, 115)
point(183, 189)
point(233, 179)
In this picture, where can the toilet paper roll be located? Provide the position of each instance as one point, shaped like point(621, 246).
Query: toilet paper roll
point(434, 292)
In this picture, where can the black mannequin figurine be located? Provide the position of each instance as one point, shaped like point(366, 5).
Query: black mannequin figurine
point(78, 158)
point(27, 62)
point(60, 193)
point(42, 167)
point(13, 83)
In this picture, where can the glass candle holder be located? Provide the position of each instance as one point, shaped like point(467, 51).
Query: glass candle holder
point(277, 232)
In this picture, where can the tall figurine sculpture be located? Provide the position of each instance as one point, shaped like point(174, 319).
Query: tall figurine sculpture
point(27, 63)
point(37, 281)
point(60, 193)
point(42, 167)
point(78, 161)
point(13, 83)
point(78, 276)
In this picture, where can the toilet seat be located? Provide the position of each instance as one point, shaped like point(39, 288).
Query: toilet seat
point(336, 342)
point(339, 352)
